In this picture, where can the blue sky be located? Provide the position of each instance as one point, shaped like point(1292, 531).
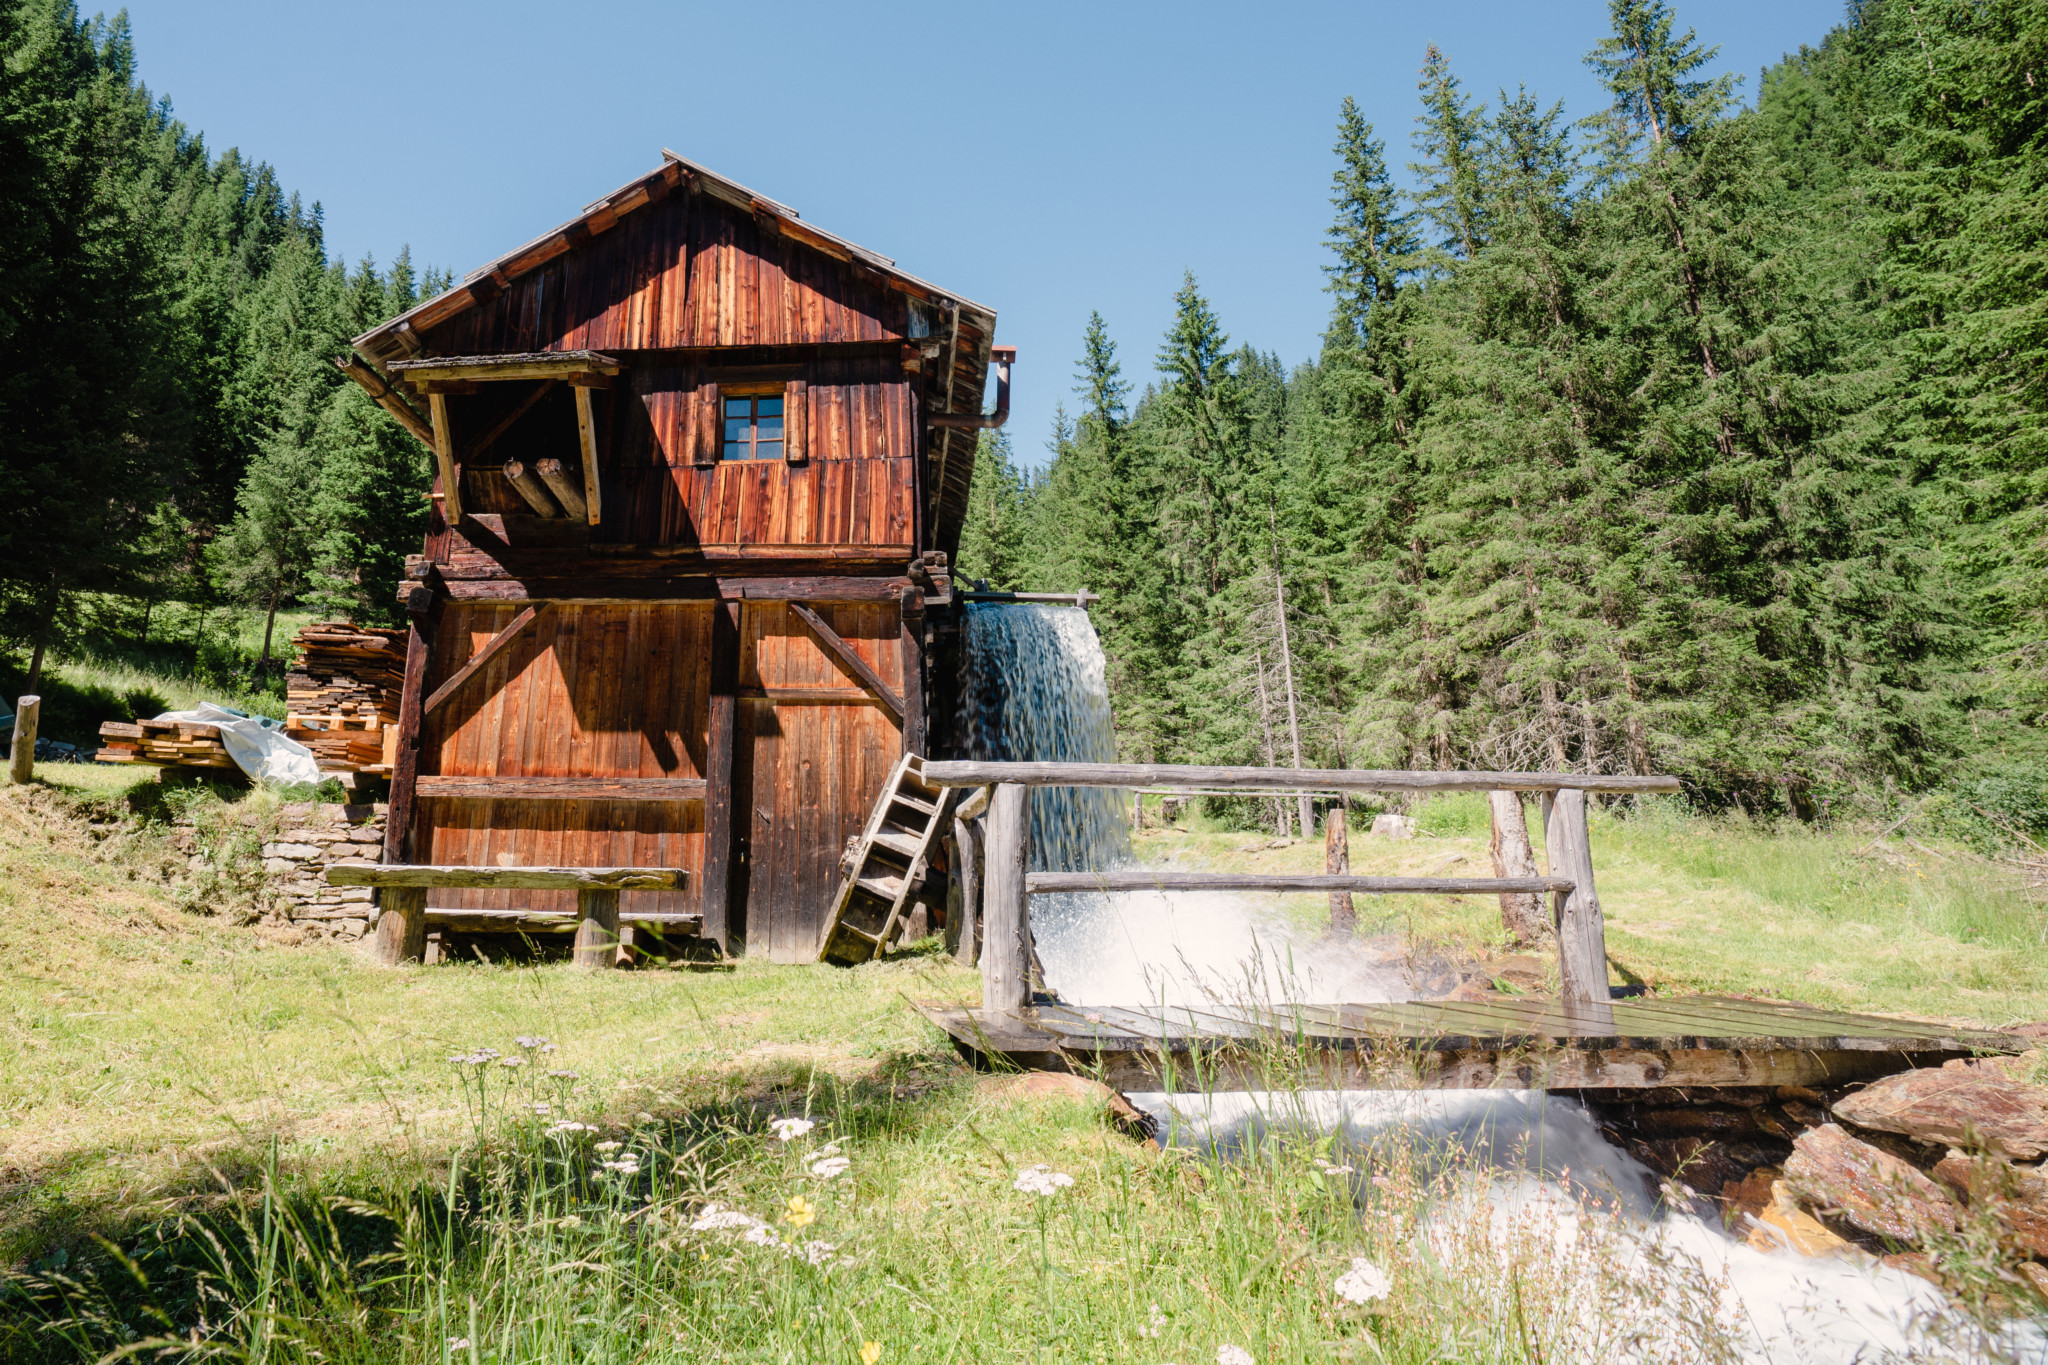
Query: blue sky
point(1045, 159)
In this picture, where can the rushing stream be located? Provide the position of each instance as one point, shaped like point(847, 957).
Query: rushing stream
point(1035, 689)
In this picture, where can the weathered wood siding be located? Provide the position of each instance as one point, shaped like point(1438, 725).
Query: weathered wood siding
point(692, 270)
point(584, 692)
point(809, 770)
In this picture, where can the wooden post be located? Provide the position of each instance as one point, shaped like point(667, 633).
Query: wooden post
point(725, 923)
point(1006, 923)
point(26, 712)
point(586, 432)
point(597, 926)
point(405, 767)
point(402, 925)
point(1337, 863)
point(967, 848)
point(444, 457)
point(911, 618)
point(1521, 913)
point(1581, 934)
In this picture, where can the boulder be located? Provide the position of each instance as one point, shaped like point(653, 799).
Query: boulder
point(2016, 1195)
point(1782, 1224)
point(1957, 1105)
point(1390, 826)
point(1833, 1172)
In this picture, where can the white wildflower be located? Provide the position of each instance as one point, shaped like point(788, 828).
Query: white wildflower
point(817, 1253)
point(607, 1146)
point(541, 1109)
point(1155, 1324)
point(761, 1235)
point(830, 1167)
point(829, 1149)
point(562, 1075)
point(789, 1130)
point(1364, 1282)
point(1233, 1355)
point(569, 1126)
point(1327, 1169)
point(547, 1047)
point(512, 1061)
point(716, 1219)
point(530, 1043)
point(1041, 1180)
point(629, 1166)
point(458, 1343)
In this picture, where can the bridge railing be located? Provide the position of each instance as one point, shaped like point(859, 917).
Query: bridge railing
point(1007, 884)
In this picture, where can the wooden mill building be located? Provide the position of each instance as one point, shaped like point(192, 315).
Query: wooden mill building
point(700, 469)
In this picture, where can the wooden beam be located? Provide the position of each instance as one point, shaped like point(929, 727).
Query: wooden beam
point(910, 633)
point(386, 397)
point(444, 457)
point(480, 658)
point(503, 788)
point(849, 662)
point(524, 365)
point(505, 878)
point(406, 765)
point(821, 696)
point(1581, 932)
point(543, 921)
point(586, 434)
point(1046, 883)
point(1006, 918)
point(1157, 775)
point(525, 406)
point(1336, 863)
point(533, 490)
point(725, 921)
point(565, 491)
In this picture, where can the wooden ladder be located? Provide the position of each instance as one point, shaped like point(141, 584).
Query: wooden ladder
point(885, 867)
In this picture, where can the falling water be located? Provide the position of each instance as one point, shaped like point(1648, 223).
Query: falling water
point(1035, 689)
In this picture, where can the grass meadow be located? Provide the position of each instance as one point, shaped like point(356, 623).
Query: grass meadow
point(215, 1146)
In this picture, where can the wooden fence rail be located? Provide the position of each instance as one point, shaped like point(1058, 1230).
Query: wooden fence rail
point(1167, 775)
point(1008, 884)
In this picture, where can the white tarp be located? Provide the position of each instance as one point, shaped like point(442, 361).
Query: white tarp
point(257, 744)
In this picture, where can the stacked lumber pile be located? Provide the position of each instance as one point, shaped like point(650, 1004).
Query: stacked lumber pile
point(167, 743)
point(342, 694)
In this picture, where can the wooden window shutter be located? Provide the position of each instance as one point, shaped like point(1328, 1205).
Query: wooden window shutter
point(796, 421)
point(710, 424)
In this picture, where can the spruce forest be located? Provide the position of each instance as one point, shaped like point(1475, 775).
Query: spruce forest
point(1704, 435)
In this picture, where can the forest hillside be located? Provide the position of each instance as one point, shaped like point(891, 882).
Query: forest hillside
point(1704, 435)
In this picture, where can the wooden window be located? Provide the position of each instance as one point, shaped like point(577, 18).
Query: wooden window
point(753, 415)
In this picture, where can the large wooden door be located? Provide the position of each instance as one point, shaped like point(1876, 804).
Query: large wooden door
point(814, 750)
point(584, 692)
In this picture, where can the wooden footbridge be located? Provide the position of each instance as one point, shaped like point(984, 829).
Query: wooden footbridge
point(1584, 1039)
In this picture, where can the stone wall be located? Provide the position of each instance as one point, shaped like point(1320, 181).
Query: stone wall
point(312, 835)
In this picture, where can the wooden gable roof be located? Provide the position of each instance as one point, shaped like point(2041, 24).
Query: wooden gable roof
point(683, 259)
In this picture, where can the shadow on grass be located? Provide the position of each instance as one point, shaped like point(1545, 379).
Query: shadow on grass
point(72, 712)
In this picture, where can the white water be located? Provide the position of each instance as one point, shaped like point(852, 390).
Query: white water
point(1782, 1306)
point(1035, 690)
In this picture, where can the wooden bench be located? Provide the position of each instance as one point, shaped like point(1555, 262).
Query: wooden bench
point(403, 887)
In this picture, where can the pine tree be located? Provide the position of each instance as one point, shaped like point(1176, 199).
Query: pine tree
point(1447, 136)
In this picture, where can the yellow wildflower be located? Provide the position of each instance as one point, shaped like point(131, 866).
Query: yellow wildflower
point(802, 1213)
point(870, 1352)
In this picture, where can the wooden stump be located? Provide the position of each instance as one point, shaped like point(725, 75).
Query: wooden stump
point(402, 926)
point(1337, 863)
point(26, 712)
point(597, 929)
point(1521, 912)
point(963, 926)
point(1005, 951)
